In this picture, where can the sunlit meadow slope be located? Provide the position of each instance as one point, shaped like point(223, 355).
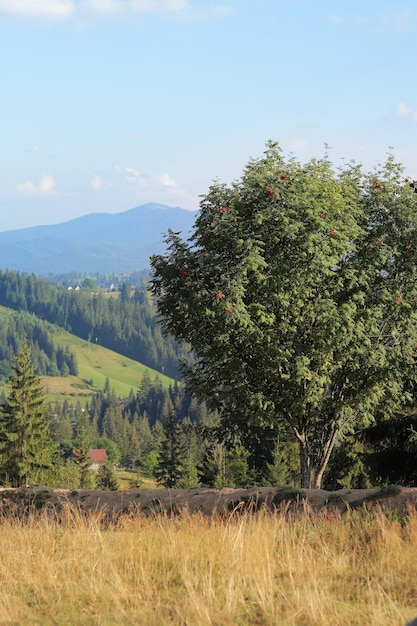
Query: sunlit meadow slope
point(96, 364)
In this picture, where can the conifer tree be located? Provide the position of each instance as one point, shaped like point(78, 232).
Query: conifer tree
point(81, 452)
point(26, 446)
point(297, 292)
point(106, 477)
point(172, 454)
point(191, 455)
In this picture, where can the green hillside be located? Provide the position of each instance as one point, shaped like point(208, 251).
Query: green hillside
point(95, 365)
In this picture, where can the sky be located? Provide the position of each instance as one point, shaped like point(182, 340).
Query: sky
point(109, 104)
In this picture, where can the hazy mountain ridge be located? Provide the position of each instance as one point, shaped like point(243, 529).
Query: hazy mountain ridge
point(96, 242)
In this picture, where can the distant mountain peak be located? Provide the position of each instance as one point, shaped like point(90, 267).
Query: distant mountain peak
point(95, 242)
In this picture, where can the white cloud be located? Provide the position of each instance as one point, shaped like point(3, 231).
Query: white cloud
point(46, 186)
point(36, 149)
point(97, 182)
point(298, 145)
point(139, 7)
point(107, 7)
point(395, 19)
point(167, 181)
point(166, 188)
point(404, 20)
point(131, 175)
point(389, 18)
point(221, 11)
point(65, 9)
point(336, 19)
point(49, 9)
point(102, 7)
point(155, 6)
point(157, 187)
point(404, 110)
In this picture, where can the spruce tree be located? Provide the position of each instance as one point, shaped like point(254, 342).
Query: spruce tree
point(81, 452)
point(26, 446)
point(172, 454)
point(191, 455)
point(238, 473)
point(106, 477)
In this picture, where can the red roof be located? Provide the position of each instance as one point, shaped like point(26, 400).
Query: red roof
point(98, 455)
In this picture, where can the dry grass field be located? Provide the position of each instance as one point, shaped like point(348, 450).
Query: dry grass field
point(80, 563)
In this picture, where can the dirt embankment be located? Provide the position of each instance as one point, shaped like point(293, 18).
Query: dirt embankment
point(204, 500)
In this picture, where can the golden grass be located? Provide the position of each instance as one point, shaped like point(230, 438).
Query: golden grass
point(76, 568)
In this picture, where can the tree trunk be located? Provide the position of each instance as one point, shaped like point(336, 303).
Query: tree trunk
point(311, 474)
point(325, 457)
point(305, 464)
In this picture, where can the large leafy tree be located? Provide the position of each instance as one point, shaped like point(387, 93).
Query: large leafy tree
point(297, 291)
point(26, 446)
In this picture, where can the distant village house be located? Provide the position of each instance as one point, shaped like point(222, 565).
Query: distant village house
point(98, 456)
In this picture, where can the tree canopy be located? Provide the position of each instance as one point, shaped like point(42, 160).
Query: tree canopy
point(297, 291)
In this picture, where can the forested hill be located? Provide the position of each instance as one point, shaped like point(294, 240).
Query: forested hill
point(124, 322)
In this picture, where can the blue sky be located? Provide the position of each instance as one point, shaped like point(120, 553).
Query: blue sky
point(109, 104)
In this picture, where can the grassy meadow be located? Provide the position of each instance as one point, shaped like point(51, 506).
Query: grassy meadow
point(95, 365)
point(240, 569)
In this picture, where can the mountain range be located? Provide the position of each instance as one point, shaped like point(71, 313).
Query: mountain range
point(97, 242)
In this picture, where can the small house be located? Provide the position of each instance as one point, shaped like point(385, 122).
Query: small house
point(98, 456)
